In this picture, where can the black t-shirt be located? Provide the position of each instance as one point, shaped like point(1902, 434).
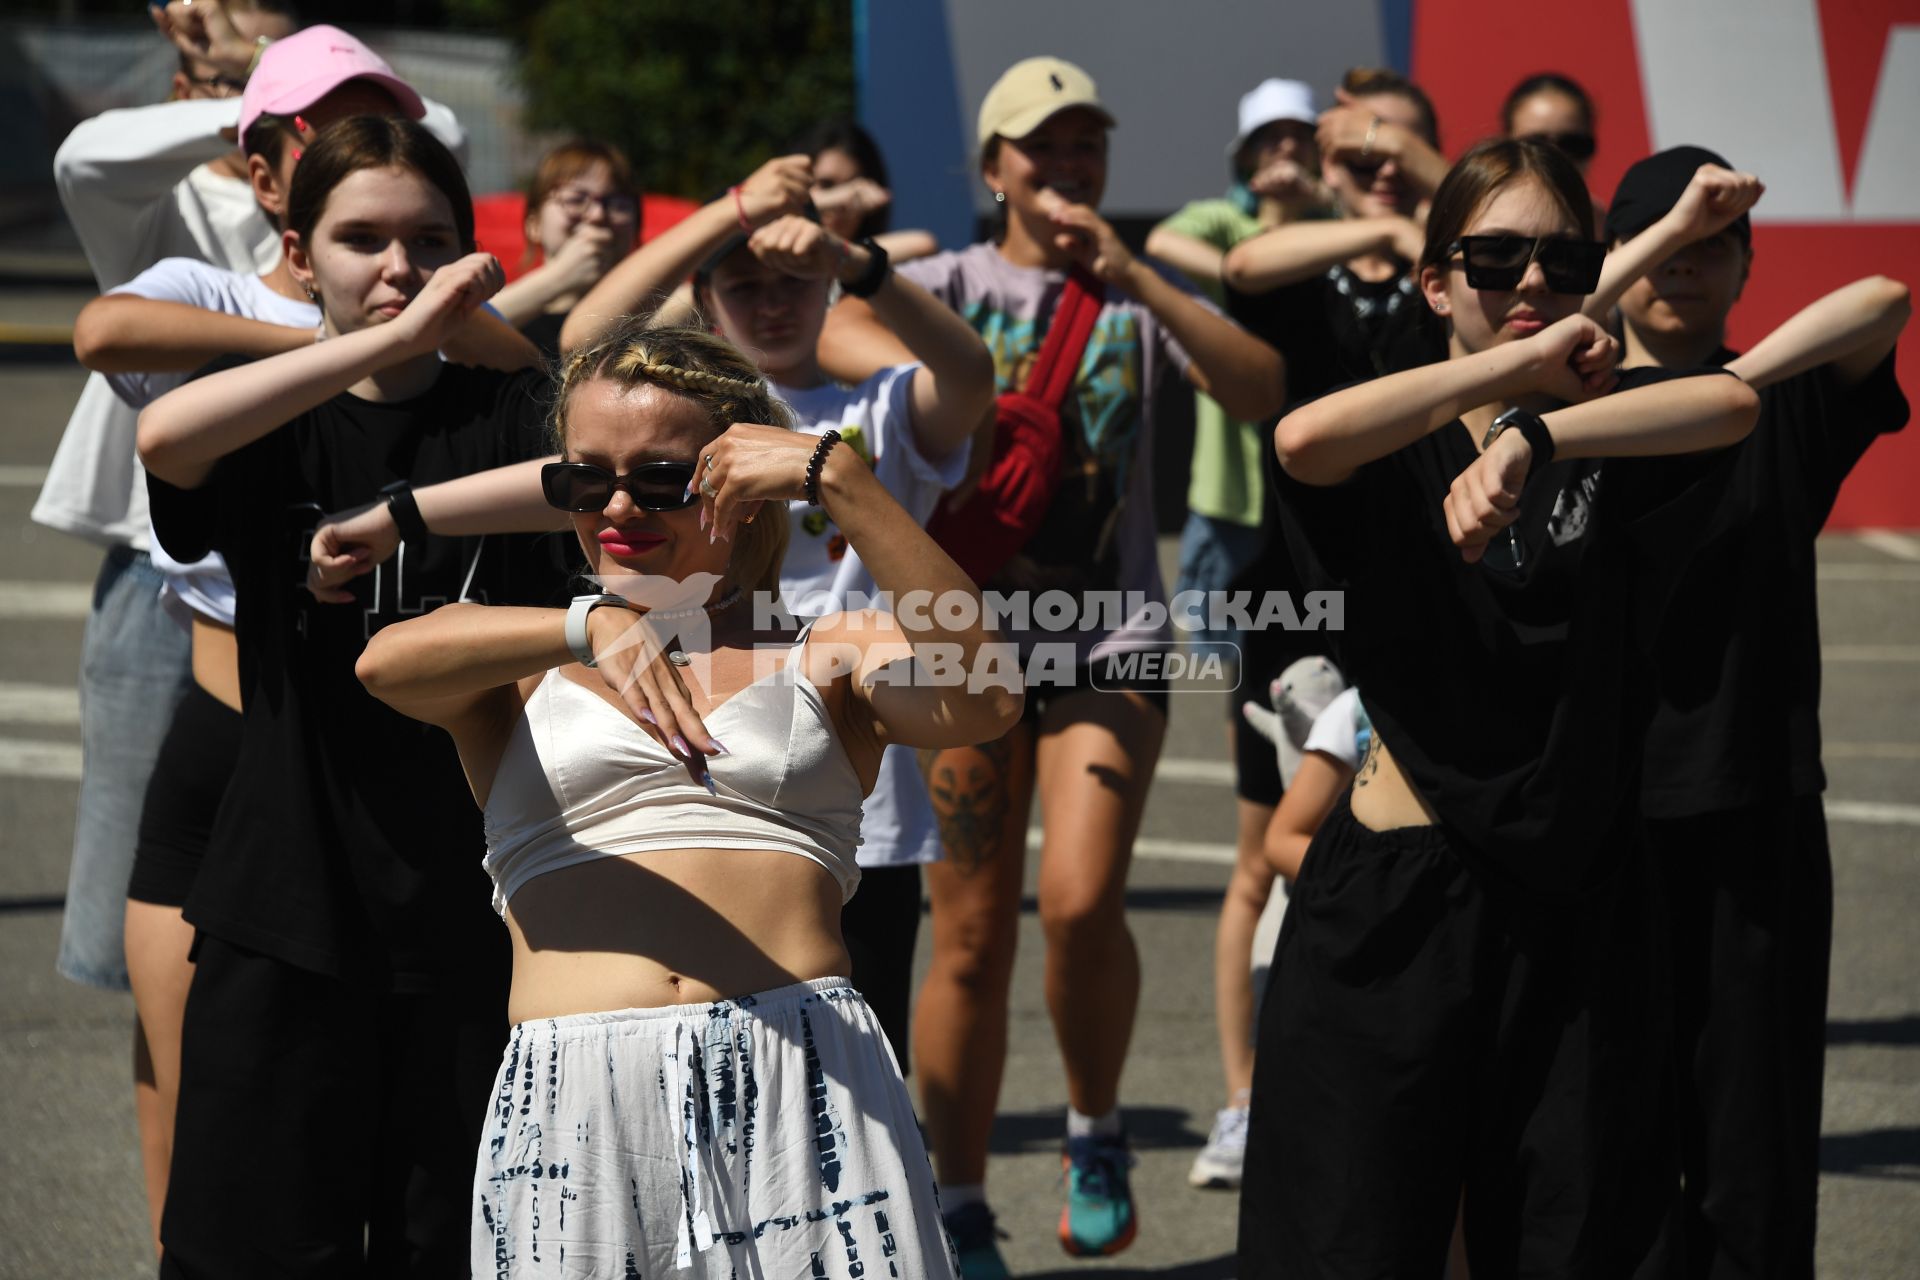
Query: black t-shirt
point(1510, 691)
point(1737, 662)
point(348, 842)
point(1332, 330)
point(543, 331)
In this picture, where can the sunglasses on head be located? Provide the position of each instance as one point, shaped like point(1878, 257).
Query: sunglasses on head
point(654, 486)
point(1501, 262)
point(1577, 147)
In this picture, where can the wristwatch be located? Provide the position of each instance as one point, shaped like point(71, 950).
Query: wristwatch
point(577, 638)
point(405, 512)
point(868, 282)
point(1532, 429)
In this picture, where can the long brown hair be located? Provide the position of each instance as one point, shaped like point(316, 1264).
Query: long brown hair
point(711, 372)
point(1490, 166)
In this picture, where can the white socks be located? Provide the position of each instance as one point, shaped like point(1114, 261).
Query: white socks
point(1106, 1126)
point(959, 1196)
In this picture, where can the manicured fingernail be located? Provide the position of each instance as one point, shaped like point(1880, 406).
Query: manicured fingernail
point(703, 519)
point(719, 747)
point(680, 745)
point(646, 717)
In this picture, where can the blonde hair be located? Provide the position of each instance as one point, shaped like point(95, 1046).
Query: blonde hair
point(711, 372)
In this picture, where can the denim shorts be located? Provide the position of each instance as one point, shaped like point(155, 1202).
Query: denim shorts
point(135, 665)
point(1212, 554)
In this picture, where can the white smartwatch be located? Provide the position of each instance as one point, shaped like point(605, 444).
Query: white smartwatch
point(577, 638)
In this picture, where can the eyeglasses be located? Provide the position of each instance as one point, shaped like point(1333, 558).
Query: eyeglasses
point(575, 203)
point(1364, 171)
point(653, 486)
point(1500, 262)
point(1578, 147)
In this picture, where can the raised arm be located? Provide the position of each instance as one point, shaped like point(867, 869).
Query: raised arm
point(1853, 328)
point(900, 656)
point(1299, 251)
point(1350, 131)
point(116, 171)
point(586, 256)
point(657, 267)
point(855, 345)
point(1192, 257)
point(1714, 198)
point(1324, 442)
point(1244, 374)
point(185, 432)
point(954, 384)
point(124, 333)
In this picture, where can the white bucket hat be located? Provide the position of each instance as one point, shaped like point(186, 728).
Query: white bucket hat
point(1273, 100)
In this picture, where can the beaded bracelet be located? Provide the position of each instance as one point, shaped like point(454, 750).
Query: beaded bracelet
point(828, 439)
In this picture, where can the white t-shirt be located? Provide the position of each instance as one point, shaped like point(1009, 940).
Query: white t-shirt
point(1343, 730)
point(136, 188)
point(204, 586)
point(821, 573)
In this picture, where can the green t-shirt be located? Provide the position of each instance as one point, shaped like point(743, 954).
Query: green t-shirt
point(1227, 454)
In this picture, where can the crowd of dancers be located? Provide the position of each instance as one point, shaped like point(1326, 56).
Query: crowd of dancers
point(413, 573)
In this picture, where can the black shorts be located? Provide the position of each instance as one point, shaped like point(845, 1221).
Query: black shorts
point(1102, 675)
point(324, 1128)
point(1425, 1032)
point(880, 927)
point(189, 779)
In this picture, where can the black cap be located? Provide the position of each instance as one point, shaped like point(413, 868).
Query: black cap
point(1649, 190)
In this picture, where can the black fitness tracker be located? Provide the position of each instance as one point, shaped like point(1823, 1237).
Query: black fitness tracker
point(405, 511)
point(868, 282)
point(1532, 429)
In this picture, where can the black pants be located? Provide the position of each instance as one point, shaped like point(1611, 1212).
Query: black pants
point(1425, 1034)
point(324, 1129)
point(880, 927)
point(1752, 918)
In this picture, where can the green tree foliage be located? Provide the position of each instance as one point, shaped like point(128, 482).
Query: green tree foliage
point(697, 91)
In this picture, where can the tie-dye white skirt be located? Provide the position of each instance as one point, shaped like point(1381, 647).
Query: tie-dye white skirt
point(761, 1138)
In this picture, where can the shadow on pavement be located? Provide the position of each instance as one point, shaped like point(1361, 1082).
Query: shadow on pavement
point(1903, 1030)
point(1148, 1128)
point(1874, 1153)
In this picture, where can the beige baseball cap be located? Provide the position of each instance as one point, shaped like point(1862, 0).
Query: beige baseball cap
point(1032, 90)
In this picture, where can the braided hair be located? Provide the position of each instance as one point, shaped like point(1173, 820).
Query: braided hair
point(708, 370)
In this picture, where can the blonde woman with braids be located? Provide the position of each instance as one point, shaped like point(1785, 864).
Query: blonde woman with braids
point(689, 1085)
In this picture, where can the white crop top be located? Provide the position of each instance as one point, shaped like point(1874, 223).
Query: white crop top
point(579, 780)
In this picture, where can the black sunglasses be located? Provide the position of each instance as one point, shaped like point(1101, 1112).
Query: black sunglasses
point(1577, 147)
point(653, 486)
point(1501, 262)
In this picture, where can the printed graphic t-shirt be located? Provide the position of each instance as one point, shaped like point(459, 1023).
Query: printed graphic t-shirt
point(822, 574)
point(348, 842)
point(1107, 415)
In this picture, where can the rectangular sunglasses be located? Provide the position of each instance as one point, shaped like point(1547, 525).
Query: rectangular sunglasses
point(654, 486)
point(1500, 262)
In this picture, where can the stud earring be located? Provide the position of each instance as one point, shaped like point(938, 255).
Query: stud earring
point(311, 295)
point(999, 197)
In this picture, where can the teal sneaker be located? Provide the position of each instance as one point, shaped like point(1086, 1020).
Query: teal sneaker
point(1098, 1219)
point(976, 1242)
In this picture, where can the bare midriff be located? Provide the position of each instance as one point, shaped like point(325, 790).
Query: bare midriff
point(216, 661)
point(1382, 796)
point(683, 926)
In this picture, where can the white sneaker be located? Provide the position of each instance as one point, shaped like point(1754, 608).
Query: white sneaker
point(1219, 1162)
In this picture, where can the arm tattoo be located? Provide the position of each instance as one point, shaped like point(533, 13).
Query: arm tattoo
point(968, 786)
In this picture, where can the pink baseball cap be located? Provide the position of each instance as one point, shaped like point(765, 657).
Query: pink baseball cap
point(298, 71)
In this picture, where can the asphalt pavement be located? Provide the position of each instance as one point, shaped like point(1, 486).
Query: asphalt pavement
point(71, 1201)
